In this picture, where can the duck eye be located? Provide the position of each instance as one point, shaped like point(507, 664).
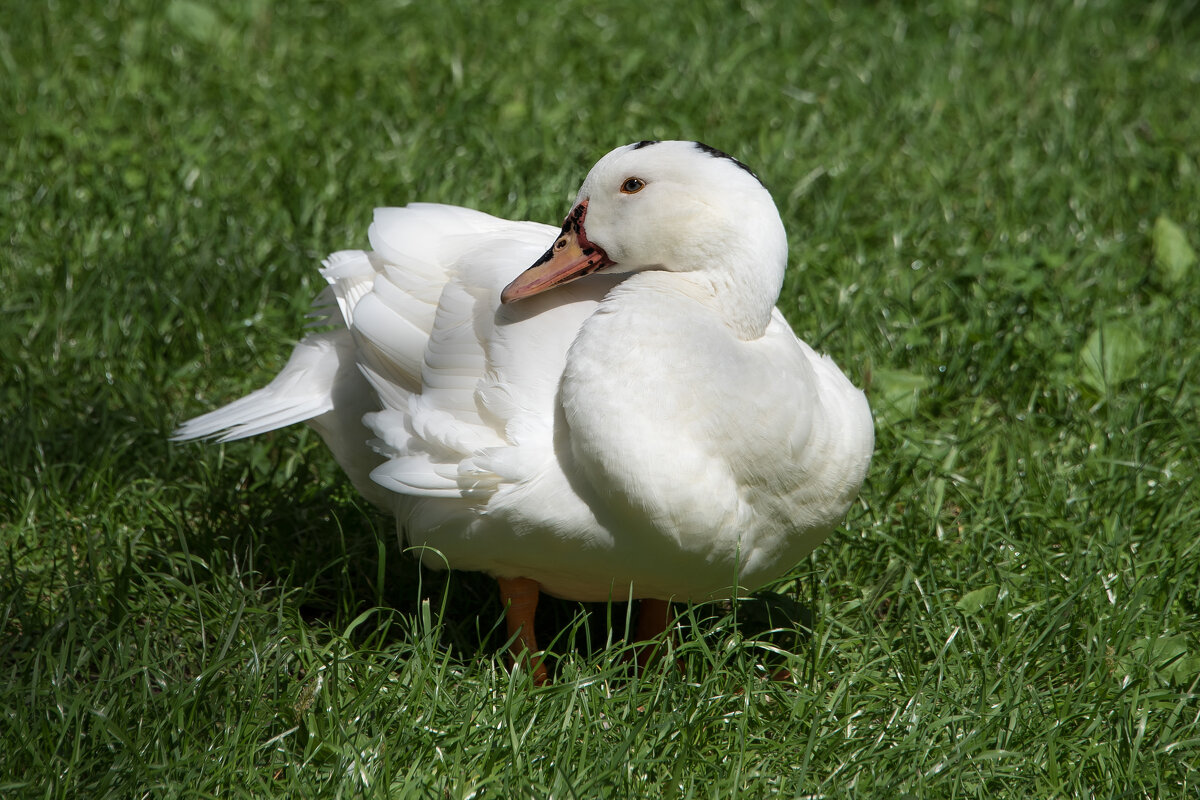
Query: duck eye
point(632, 186)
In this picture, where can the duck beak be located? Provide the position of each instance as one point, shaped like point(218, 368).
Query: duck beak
point(571, 256)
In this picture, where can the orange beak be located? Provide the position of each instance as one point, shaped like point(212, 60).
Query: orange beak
point(571, 256)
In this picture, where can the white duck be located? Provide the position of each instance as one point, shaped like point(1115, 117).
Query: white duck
point(658, 434)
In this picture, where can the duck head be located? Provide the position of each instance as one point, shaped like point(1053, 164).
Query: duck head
point(679, 207)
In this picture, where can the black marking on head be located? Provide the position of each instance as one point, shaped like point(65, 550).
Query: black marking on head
point(715, 153)
point(645, 143)
point(574, 220)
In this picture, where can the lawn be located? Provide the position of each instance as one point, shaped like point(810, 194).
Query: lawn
point(993, 211)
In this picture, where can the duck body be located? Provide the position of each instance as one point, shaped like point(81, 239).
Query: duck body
point(630, 417)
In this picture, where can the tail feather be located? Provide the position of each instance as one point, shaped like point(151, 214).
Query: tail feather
point(301, 391)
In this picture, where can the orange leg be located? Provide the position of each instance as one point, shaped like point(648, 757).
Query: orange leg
point(520, 598)
point(654, 617)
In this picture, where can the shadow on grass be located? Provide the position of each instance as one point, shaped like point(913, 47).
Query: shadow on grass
point(344, 557)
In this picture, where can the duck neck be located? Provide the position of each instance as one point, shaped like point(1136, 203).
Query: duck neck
point(742, 299)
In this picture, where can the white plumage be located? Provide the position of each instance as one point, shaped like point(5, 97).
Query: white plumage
point(654, 429)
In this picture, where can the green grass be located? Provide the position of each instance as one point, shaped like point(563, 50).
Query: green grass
point(972, 192)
